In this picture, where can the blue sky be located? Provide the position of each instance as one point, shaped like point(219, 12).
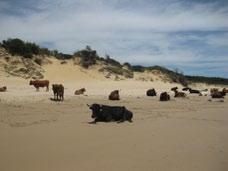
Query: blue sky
point(191, 35)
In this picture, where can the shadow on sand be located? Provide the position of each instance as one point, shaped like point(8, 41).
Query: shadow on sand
point(56, 100)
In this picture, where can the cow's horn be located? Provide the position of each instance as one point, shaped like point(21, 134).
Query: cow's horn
point(88, 105)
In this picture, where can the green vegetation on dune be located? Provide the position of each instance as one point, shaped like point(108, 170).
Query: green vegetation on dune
point(207, 80)
point(175, 76)
point(28, 49)
point(89, 57)
point(179, 77)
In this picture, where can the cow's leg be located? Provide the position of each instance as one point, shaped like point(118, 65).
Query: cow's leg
point(62, 97)
point(47, 88)
point(37, 88)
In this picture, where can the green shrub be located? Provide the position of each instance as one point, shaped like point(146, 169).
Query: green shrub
point(119, 71)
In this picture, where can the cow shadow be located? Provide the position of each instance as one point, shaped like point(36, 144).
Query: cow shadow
point(118, 122)
point(56, 100)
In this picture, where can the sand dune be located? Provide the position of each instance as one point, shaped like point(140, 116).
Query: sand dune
point(39, 134)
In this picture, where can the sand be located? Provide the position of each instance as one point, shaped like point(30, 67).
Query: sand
point(39, 134)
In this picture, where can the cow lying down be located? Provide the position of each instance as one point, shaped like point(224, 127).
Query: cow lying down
point(104, 113)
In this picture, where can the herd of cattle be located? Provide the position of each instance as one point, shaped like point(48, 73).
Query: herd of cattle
point(120, 113)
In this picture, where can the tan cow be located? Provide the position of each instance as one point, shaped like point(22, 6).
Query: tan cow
point(80, 91)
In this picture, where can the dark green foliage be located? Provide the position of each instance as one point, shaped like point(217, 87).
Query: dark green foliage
point(88, 57)
point(19, 47)
point(207, 80)
point(138, 68)
point(27, 49)
point(112, 61)
point(62, 56)
point(128, 65)
point(44, 51)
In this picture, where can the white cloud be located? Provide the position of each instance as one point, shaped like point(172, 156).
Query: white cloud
point(138, 31)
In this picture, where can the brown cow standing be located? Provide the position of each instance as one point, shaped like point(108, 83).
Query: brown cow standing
point(40, 83)
point(80, 91)
point(3, 89)
point(58, 91)
point(114, 95)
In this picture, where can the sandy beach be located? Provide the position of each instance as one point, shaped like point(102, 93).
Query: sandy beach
point(39, 134)
point(114, 85)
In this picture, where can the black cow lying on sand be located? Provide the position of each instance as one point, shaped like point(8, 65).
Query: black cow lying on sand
point(104, 113)
point(151, 92)
point(174, 88)
point(185, 89)
point(192, 91)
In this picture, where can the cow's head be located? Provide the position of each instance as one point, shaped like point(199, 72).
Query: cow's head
point(31, 82)
point(174, 88)
point(95, 110)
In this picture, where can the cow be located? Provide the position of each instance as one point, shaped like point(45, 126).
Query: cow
point(151, 92)
point(114, 95)
point(214, 90)
point(105, 113)
point(179, 94)
point(40, 83)
point(185, 89)
point(174, 88)
point(164, 96)
point(3, 89)
point(58, 90)
point(205, 90)
point(218, 94)
point(225, 90)
point(80, 91)
point(192, 91)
